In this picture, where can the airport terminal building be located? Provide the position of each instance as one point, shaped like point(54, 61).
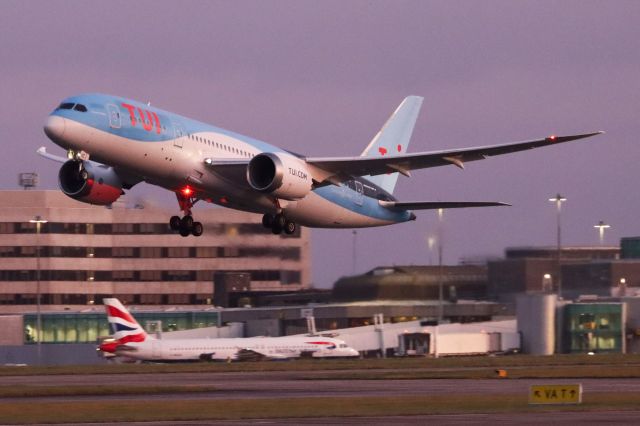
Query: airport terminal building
point(239, 273)
point(128, 251)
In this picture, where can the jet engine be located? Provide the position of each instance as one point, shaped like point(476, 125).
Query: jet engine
point(282, 175)
point(90, 182)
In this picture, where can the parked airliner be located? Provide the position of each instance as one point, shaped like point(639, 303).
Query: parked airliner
point(114, 143)
point(131, 341)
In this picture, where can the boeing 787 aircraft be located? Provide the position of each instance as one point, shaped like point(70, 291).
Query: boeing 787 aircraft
point(132, 342)
point(114, 143)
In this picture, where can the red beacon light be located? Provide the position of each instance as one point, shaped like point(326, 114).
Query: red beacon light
point(187, 191)
point(552, 138)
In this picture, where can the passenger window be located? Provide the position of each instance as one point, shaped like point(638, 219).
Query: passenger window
point(80, 107)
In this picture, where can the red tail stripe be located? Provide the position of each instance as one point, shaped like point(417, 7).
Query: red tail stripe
point(132, 338)
point(115, 312)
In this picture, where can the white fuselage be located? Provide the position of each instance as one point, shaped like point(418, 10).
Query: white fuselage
point(179, 161)
point(233, 348)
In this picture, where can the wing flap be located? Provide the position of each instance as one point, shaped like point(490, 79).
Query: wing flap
point(42, 151)
point(231, 169)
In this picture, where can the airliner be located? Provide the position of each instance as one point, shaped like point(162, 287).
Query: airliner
point(131, 341)
point(114, 143)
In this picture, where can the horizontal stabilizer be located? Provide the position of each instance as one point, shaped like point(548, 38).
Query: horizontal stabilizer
point(433, 205)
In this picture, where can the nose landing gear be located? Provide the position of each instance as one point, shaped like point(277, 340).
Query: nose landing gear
point(278, 223)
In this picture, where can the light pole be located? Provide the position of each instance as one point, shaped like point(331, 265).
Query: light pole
point(601, 227)
point(558, 199)
point(355, 238)
point(440, 290)
point(38, 221)
point(431, 242)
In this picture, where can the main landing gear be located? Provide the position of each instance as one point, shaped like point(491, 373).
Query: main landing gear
point(186, 225)
point(278, 223)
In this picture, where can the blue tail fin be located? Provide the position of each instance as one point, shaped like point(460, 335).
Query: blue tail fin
point(393, 138)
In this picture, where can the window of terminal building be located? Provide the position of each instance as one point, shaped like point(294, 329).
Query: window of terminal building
point(102, 228)
point(595, 327)
point(290, 277)
point(265, 275)
point(231, 251)
point(7, 228)
point(8, 251)
point(150, 252)
point(204, 275)
point(122, 228)
point(153, 228)
point(178, 251)
point(150, 275)
point(123, 276)
point(177, 275)
point(27, 228)
point(123, 252)
point(150, 299)
point(28, 251)
point(206, 252)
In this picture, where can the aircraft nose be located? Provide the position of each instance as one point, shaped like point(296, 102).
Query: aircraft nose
point(54, 127)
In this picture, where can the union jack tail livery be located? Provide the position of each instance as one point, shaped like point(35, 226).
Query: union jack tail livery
point(122, 324)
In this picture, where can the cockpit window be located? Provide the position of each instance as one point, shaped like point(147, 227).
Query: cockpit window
point(80, 107)
point(65, 105)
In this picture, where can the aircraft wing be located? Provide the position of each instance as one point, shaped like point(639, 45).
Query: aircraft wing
point(247, 354)
point(433, 205)
point(340, 169)
point(335, 170)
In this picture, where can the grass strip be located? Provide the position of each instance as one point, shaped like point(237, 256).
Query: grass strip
point(321, 365)
point(554, 372)
point(98, 390)
point(184, 410)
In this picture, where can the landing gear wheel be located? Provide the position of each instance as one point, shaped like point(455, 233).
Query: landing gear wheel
point(278, 224)
point(289, 227)
point(197, 229)
point(174, 223)
point(186, 223)
point(186, 226)
point(267, 220)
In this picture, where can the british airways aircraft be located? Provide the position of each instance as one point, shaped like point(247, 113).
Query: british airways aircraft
point(130, 341)
point(114, 143)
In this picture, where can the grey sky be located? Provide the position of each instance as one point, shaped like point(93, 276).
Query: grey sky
point(320, 78)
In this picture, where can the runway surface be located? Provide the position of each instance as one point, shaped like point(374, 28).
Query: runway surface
point(282, 384)
point(569, 418)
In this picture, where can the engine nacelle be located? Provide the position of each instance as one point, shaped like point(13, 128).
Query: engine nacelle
point(282, 175)
point(90, 182)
